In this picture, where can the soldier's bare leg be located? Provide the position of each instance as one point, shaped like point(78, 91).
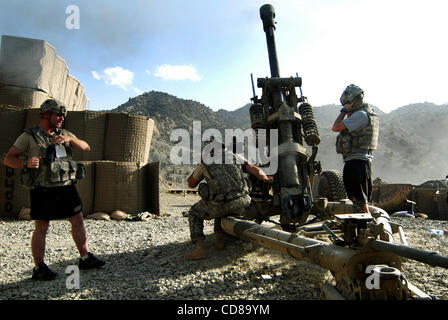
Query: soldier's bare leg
point(38, 240)
point(79, 233)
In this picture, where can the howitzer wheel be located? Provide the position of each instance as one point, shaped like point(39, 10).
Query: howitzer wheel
point(331, 186)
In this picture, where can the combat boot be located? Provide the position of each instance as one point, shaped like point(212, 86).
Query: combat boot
point(219, 241)
point(198, 252)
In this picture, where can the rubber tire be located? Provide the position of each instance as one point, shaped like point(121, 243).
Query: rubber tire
point(331, 186)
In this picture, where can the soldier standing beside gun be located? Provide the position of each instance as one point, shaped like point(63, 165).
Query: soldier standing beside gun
point(44, 154)
point(224, 193)
point(357, 139)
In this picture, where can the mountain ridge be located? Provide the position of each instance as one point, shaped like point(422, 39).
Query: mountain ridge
point(410, 148)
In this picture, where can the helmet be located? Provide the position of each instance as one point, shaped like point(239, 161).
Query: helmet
point(350, 93)
point(53, 105)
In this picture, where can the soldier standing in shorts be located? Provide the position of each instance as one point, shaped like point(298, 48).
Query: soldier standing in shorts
point(44, 153)
point(358, 127)
point(224, 193)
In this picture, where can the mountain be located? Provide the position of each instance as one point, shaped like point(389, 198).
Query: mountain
point(411, 149)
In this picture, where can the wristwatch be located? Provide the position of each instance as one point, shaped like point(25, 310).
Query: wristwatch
point(344, 110)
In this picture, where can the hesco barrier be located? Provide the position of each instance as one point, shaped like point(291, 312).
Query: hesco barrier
point(13, 196)
point(442, 204)
point(426, 201)
point(12, 122)
point(22, 97)
point(128, 137)
point(392, 197)
point(430, 201)
point(33, 72)
point(32, 118)
point(108, 186)
point(27, 62)
point(120, 186)
point(60, 73)
point(86, 188)
point(89, 126)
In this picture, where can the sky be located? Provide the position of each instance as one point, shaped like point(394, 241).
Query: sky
point(206, 50)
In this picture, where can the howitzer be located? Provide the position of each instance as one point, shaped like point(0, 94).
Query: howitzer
point(362, 252)
point(278, 109)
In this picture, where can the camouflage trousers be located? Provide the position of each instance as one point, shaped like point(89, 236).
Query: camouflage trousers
point(207, 210)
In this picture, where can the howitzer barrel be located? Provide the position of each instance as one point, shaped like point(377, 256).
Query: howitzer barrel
point(431, 258)
point(329, 256)
point(267, 14)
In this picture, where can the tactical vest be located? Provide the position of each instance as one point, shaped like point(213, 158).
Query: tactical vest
point(227, 181)
point(360, 140)
point(56, 167)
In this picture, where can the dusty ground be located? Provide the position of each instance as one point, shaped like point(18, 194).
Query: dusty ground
point(145, 261)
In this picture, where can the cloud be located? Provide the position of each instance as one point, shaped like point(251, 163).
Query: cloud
point(138, 91)
point(116, 76)
point(96, 75)
point(168, 72)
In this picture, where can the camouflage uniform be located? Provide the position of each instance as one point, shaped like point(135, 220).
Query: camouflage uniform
point(206, 210)
point(226, 193)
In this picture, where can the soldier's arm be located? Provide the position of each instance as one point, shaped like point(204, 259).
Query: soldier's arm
point(74, 142)
point(338, 124)
point(12, 158)
point(192, 182)
point(15, 159)
point(79, 144)
point(196, 176)
point(257, 172)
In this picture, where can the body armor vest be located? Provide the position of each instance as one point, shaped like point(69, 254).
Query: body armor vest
point(227, 181)
point(56, 168)
point(360, 140)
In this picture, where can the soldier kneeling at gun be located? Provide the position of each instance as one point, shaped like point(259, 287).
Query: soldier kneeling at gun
point(224, 193)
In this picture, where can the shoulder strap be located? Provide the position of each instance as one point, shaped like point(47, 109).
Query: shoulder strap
point(32, 132)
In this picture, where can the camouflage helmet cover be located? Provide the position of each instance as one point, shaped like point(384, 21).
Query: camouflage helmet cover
point(350, 93)
point(53, 105)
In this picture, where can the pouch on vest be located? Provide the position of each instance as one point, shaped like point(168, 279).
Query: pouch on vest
point(28, 177)
point(79, 170)
point(339, 147)
point(344, 143)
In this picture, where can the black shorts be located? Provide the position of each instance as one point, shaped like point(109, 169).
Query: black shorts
point(357, 177)
point(55, 203)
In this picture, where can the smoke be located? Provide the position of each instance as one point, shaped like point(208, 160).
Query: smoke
point(116, 28)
